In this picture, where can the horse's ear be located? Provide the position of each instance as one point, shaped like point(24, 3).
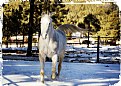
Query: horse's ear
point(43, 13)
point(50, 14)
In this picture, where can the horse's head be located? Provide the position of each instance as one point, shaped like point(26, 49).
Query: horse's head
point(46, 23)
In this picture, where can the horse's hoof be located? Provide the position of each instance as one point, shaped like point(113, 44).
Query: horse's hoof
point(42, 81)
point(54, 76)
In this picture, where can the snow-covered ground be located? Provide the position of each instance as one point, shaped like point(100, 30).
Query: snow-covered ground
point(81, 53)
point(26, 73)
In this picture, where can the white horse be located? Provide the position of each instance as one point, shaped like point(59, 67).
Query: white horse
point(52, 44)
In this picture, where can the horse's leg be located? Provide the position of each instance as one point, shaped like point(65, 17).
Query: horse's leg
point(60, 63)
point(42, 64)
point(54, 62)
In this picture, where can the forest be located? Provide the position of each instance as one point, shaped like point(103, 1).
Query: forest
point(100, 19)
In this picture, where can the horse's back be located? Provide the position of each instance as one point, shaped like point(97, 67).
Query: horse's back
point(61, 36)
point(61, 32)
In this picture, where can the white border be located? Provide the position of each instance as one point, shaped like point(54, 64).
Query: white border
point(86, 2)
point(1, 25)
point(118, 2)
point(1, 34)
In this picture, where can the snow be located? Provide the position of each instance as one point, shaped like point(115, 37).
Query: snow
point(19, 48)
point(107, 53)
point(93, 48)
point(26, 73)
point(70, 48)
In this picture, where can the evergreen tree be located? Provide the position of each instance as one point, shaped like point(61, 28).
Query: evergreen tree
point(17, 13)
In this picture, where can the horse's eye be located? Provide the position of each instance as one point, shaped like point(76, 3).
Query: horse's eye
point(49, 24)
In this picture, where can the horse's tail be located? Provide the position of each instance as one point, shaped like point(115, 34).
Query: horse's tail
point(70, 28)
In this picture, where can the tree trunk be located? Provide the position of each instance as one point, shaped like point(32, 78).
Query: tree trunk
point(30, 33)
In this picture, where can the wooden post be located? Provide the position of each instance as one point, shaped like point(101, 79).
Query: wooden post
point(88, 40)
point(98, 46)
point(89, 29)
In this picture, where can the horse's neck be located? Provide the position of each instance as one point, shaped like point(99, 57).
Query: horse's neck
point(51, 30)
